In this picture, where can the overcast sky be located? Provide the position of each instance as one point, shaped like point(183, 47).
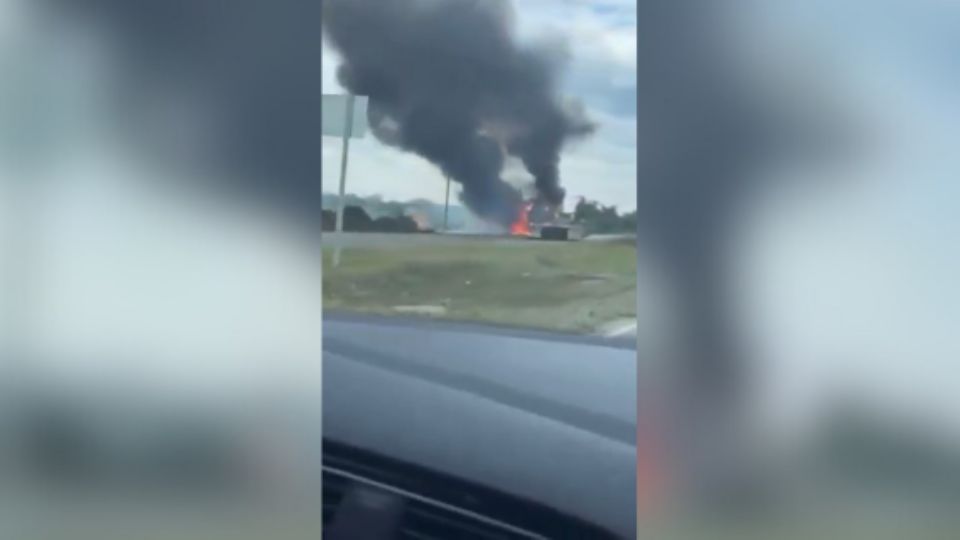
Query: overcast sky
point(602, 73)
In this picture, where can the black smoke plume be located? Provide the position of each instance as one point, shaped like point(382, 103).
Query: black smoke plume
point(447, 80)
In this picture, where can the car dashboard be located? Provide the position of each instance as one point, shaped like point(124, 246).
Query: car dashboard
point(497, 435)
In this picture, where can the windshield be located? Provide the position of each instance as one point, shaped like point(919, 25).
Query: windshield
point(497, 180)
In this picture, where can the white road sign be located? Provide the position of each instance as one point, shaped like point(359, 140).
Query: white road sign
point(335, 115)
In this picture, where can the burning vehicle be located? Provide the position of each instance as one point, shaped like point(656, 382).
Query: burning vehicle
point(539, 219)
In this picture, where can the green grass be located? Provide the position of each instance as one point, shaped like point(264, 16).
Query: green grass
point(574, 286)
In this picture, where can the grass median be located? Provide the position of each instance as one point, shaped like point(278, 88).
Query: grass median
point(567, 286)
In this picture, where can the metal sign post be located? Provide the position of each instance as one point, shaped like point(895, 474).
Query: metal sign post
point(446, 206)
point(343, 179)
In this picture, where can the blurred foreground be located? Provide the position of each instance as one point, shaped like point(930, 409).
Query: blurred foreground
point(797, 199)
point(159, 276)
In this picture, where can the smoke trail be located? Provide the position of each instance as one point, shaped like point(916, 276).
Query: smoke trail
point(447, 80)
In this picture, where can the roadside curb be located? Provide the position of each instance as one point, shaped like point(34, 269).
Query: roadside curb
point(618, 328)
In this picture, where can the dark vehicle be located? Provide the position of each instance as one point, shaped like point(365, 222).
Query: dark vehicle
point(554, 232)
point(464, 432)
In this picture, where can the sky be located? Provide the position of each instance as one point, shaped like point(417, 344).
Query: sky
point(602, 73)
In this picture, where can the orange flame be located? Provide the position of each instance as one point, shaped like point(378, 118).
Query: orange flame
point(521, 226)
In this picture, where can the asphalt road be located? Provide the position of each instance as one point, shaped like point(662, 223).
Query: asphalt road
point(404, 240)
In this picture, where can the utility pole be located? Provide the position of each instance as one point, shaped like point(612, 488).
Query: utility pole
point(347, 132)
point(446, 206)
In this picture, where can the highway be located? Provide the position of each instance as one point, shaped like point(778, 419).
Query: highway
point(404, 240)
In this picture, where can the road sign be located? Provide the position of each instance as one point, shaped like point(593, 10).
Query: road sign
point(336, 120)
point(346, 117)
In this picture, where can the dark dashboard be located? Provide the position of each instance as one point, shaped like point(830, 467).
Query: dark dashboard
point(497, 433)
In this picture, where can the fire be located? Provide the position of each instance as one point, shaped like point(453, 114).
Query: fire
point(521, 226)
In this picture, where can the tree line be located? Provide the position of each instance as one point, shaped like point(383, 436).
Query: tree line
point(356, 219)
point(596, 218)
point(389, 216)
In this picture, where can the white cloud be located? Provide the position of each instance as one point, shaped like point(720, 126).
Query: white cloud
point(374, 168)
point(597, 37)
point(328, 69)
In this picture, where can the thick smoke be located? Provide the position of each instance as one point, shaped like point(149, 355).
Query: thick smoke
point(447, 80)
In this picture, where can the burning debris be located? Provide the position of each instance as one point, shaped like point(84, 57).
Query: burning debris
point(539, 219)
point(521, 227)
point(447, 80)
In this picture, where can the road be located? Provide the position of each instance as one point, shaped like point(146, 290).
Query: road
point(404, 240)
